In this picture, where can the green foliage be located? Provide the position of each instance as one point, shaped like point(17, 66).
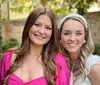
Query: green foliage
point(10, 44)
point(81, 5)
point(2, 1)
point(60, 7)
point(0, 45)
point(0, 41)
point(20, 6)
point(97, 49)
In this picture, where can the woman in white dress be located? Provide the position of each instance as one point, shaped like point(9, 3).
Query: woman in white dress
point(77, 45)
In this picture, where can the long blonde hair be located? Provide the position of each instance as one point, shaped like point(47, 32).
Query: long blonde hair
point(86, 49)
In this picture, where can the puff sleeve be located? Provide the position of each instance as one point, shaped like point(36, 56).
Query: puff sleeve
point(62, 71)
point(4, 64)
point(91, 60)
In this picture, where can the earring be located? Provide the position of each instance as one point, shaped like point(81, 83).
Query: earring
point(84, 41)
point(60, 41)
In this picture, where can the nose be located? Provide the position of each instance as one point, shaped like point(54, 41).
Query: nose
point(72, 37)
point(42, 30)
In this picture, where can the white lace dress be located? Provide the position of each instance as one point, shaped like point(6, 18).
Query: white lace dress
point(91, 60)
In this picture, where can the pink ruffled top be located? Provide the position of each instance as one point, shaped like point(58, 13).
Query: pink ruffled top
point(62, 72)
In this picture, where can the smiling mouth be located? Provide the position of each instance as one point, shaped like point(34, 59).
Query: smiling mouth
point(72, 44)
point(39, 37)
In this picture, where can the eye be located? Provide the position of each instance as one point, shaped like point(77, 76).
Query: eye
point(36, 24)
point(78, 33)
point(48, 28)
point(66, 33)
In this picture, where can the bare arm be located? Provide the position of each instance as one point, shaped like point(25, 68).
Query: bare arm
point(94, 74)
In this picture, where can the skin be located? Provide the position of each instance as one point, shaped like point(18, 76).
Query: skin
point(94, 74)
point(39, 34)
point(72, 38)
point(41, 31)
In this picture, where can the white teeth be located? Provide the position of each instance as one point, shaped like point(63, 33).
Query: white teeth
point(72, 44)
point(39, 37)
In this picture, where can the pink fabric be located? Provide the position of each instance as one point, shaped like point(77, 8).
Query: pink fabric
point(62, 72)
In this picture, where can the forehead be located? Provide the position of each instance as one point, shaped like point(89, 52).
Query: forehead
point(72, 25)
point(44, 19)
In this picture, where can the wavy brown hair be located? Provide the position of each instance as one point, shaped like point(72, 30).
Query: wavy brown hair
point(49, 50)
point(86, 49)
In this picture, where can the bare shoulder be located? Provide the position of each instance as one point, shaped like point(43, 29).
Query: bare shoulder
point(94, 74)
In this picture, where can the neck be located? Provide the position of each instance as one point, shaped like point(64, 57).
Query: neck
point(74, 58)
point(35, 50)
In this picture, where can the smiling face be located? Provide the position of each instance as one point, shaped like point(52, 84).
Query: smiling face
point(72, 36)
point(41, 31)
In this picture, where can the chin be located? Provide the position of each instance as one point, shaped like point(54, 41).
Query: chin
point(72, 51)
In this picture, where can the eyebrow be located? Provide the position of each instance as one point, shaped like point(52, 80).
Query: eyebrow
point(76, 31)
point(66, 30)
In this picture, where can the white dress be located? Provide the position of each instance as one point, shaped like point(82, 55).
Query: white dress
point(91, 60)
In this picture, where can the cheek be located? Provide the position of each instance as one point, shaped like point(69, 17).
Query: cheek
point(33, 29)
point(64, 39)
point(63, 42)
point(49, 34)
point(81, 39)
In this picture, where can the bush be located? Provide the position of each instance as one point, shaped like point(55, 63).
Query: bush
point(10, 44)
point(97, 49)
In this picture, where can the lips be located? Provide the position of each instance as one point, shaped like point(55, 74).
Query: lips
point(71, 44)
point(39, 36)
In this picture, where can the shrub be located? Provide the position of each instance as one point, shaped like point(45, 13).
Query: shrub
point(97, 49)
point(10, 44)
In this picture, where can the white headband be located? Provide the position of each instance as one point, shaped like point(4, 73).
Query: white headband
point(77, 17)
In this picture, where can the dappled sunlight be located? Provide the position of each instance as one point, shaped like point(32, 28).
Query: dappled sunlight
point(94, 8)
point(18, 15)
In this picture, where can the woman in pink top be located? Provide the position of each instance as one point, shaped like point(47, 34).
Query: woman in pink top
point(36, 61)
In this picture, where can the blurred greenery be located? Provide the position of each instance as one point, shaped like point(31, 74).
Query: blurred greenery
point(0, 41)
point(68, 6)
point(60, 7)
point(10, 44)
point(97, 49)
